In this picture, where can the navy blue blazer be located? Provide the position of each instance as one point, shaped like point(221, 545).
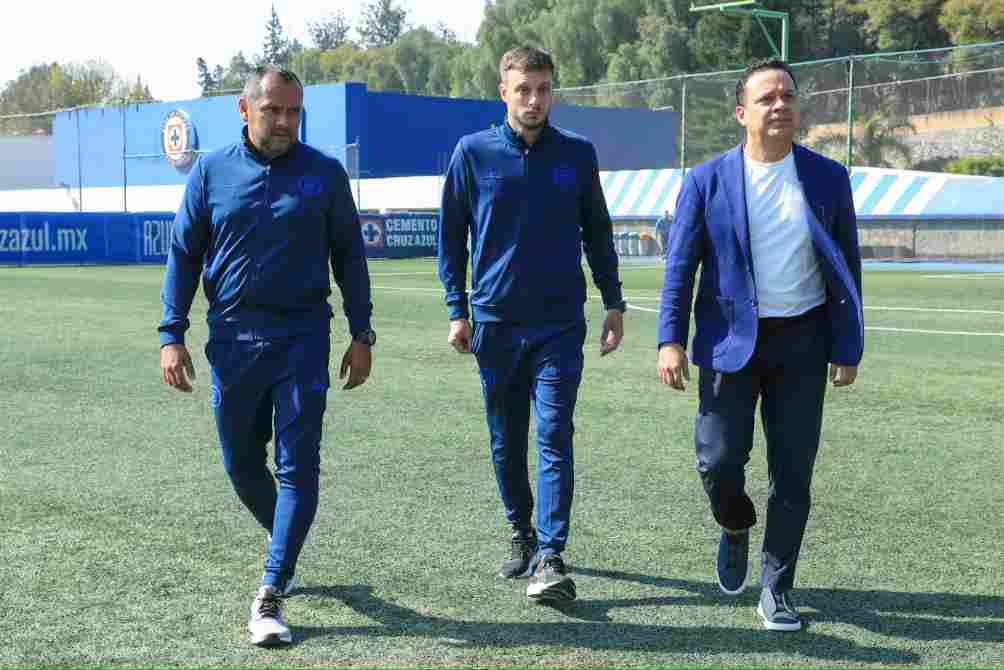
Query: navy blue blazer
point(711, 229)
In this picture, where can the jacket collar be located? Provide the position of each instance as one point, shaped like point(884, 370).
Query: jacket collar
point(257, 156)
point(516, 140)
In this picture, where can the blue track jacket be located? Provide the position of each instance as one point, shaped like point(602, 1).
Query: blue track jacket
point(529, 210)
point(262, 234)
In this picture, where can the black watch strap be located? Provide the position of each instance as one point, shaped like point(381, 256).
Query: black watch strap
point(367, 337)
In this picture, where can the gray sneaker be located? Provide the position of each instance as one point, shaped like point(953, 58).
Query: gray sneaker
point(777, 612)
point(522, 548)
point(733, 561)
point(550, 581)
point(266, 627)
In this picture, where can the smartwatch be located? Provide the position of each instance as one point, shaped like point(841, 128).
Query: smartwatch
point(367, 337)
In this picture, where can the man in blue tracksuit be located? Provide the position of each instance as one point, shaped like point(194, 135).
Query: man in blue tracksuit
point(260, 221)
point(528, 196)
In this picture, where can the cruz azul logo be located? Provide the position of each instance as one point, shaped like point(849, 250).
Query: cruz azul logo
point(179, 141)
point(373, 232)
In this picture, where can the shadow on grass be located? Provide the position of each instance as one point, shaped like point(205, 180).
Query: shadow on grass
point(912, 616)
point(590, 629)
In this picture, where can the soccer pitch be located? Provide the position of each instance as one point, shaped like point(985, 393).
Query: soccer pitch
point(122, 542)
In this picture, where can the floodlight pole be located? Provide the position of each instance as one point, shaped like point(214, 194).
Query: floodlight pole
point(740, 7)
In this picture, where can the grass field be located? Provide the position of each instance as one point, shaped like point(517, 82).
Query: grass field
point(122, 543)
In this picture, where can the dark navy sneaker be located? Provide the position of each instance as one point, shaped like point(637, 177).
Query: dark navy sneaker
point(733, 561)
point(522, 548)
point(550, 581)
point(777, 612)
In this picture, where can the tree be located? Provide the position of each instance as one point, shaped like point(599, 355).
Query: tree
point(275, 50)
point(877, 141)
point(900, 25)
point(206, 81)
point(329, 31)
point(973, 21)
point(43, 88)
point(382, 24)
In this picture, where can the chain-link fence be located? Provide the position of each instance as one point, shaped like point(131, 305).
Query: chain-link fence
point(917, 109)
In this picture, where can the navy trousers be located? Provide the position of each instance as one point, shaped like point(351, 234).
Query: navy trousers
point(520, 364)
point(787, 374)
point(261, 386)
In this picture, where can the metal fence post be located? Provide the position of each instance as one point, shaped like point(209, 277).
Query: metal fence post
point(850, 111)
point(125, 177)
point(80, 167)
point(683, 128)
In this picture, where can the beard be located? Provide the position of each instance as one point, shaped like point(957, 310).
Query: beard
point(274, 145)
point(532, 124)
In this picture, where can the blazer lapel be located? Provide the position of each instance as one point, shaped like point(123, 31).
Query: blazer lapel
point(733, 183)
point(812, 189)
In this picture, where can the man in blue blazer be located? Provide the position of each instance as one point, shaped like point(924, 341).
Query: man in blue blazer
point(772, 226)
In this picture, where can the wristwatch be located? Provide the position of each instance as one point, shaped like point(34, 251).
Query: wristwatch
point(367, 337)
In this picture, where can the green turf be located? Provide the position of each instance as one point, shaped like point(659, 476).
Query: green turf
point(121, 541)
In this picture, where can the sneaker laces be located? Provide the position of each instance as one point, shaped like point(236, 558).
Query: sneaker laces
point(521, 544)
point(269, 606)
point(553, 562)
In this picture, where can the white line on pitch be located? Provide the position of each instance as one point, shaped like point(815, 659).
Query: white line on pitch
point(633, 306)
point(931, 332)
point(967, 275)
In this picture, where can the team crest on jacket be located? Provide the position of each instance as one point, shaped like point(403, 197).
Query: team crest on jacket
point(179, 141)
point(311, 186)
point(564, 176)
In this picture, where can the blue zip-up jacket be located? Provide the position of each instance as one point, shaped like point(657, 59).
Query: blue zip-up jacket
point(262, 233)
point(529, 211)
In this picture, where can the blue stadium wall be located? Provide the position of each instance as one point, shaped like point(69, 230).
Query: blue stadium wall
point(399, 135)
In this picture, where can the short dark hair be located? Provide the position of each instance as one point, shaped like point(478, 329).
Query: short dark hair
point(252, 85)
point(759, 66)
point(525, 59)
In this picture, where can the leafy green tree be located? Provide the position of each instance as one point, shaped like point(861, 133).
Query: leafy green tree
point(900, 25)
point(43, 88)
point(877, 141)
point(276, 47)
point(382, 23)
point(329, 31)
point(473, 74)
point(973, 21)
point(206, 81)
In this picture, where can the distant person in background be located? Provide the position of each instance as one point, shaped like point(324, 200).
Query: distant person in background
point(527, 195)
point(662, 232)
point(772, 226)
point(261, 221)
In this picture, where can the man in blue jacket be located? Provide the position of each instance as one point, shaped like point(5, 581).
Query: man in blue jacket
point(772, 226)
point(527, 195)
point(261, 220)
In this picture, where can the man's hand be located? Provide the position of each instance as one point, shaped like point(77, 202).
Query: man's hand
point(843, 375)
point(613, 331)
point(357, 361)
point(460, 336)
point(673, 366)
point(175, 362)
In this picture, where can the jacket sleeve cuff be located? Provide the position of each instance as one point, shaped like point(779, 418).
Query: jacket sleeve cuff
point(458, 310)
point(613, 298)
point(171, 337)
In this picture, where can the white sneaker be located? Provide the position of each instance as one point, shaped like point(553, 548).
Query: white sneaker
point(266, 626)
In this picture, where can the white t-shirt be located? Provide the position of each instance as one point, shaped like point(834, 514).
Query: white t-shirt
point(785, 266)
